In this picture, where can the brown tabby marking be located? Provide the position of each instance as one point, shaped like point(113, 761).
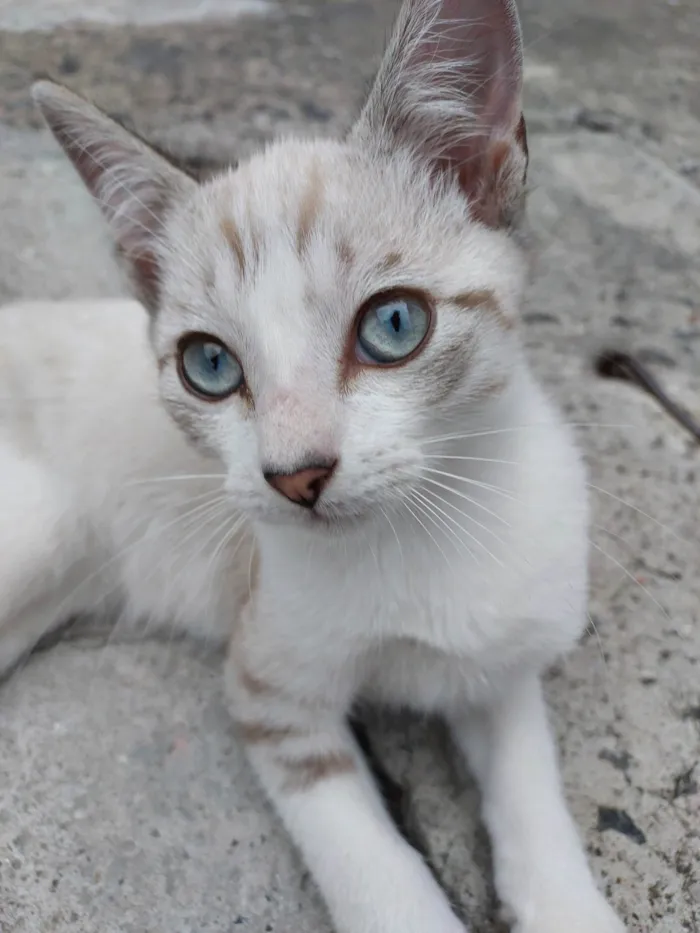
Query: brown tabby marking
point(258, 733)
point(448, 372)
point(255, 685)
point(310, 208)
point(346, 254)
point(495, 387)
point(233, 238)
point(303, 773)
point(470, 301)
point(391, 261)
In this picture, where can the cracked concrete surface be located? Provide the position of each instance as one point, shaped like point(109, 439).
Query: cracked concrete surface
point(125, 804)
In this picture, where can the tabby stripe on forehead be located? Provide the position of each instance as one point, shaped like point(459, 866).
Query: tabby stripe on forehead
point(233, 237)
point(310, 208)
point(346, 254)
point(470, 301)
point(391, 261)
point(303, 773)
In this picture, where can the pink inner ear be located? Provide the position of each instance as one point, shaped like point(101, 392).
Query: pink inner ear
point(481, 40)
point(134, 237)
point(479, 43)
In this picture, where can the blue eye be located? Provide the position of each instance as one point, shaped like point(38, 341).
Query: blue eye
point(208, 368)
point(392, 328)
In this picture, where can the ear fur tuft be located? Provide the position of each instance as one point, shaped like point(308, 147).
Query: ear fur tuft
point(133, 184)
point(449, 90)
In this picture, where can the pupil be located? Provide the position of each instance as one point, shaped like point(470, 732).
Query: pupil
point(214, 359)
point(395, 320)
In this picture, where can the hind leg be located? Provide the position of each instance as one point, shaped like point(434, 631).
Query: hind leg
point(34, 554)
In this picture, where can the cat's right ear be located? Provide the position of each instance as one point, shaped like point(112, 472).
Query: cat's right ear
point(134, 186)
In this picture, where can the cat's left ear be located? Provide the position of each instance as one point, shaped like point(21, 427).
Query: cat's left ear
point(134, 186)
point(449, 90)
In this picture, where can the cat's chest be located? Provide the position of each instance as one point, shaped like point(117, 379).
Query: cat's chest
point(355, 598)
point(444, 598)
point(451, 606)
point(407, 672)
point(459, 644)
point(407, 629)
point(460, 614)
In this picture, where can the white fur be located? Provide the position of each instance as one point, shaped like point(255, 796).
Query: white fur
point(445, 564)
point(335, 616)
point(81, 438)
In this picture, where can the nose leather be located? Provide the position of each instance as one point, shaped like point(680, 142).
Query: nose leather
point(303, 487)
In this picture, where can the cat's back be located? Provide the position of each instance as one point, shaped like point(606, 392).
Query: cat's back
point(77, 378)
point(55, 347)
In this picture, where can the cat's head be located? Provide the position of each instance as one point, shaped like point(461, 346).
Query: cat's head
point(327, 308)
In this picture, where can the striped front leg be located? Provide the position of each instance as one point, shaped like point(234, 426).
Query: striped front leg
point(311, 768)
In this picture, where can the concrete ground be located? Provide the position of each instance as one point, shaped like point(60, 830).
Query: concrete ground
point(125, 804)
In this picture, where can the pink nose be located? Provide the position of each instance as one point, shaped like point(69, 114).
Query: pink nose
point(303, 487)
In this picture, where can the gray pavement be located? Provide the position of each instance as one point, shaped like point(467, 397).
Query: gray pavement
point(125, 804)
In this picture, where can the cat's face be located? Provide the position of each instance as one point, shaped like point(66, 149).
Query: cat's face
point(326, 307)
point(325, 311)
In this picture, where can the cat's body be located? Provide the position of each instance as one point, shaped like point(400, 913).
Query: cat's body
point(366, 487)
point(81, 436)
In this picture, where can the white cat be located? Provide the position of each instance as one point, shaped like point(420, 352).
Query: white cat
point(341, 457)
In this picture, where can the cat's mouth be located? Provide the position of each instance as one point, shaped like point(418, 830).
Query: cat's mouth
point(323, 518)
point(331, 513)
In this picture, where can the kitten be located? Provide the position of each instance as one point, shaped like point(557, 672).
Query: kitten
point(341, 456)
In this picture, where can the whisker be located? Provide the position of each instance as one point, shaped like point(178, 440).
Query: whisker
point(601, 650)
point(475, 539)
point(176, 477)
point(202, 518)
point(626, 544)
point(473, 459)
point(238, 520)
point(498, 490)
point(635, 508)
point(370, 548)
point(228, 537)
point(203, 515)
point(307, 564)
point(461, 495)
point(238, 523)
point(65, 602)
point(398, 541)
point(250, 570)
point(442, 524)
point(466, 515)
point(425, 527)
point(612, 534)
point(522, 427)
point(632, 577)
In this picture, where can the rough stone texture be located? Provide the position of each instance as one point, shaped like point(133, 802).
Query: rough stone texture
point(127, 807)
point(124, 801)
point(53, 240)
point(47, 14)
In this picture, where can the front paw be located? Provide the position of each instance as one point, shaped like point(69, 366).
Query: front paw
point(592, 914)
